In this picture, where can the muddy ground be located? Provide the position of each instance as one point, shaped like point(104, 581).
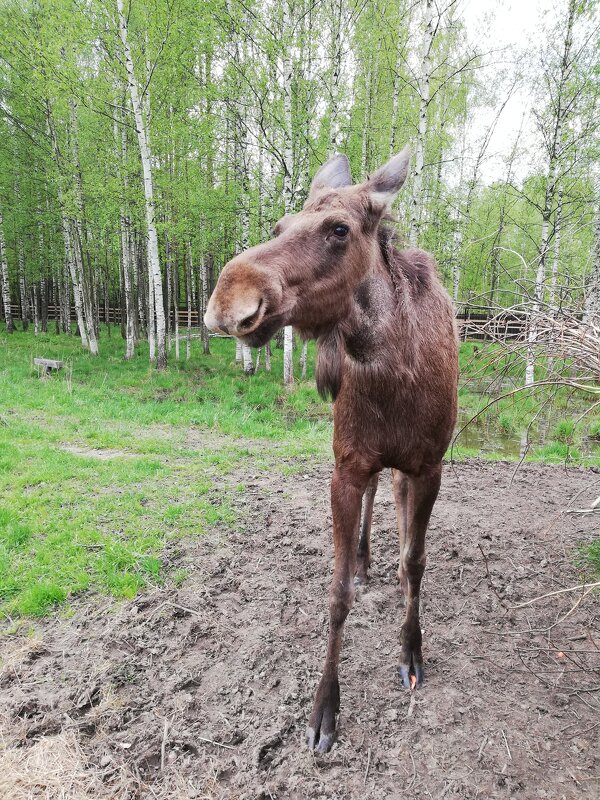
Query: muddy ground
point(204, 691)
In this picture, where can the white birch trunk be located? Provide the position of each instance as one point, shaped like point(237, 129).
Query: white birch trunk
point(551, 181)
point(10, 326)
point(35, 305)
point(75, 280)
point(591, 313)
point(303, 357)
point(458, 231)
point(126, 256)
point(78, 239)
point(86, 300)
point(138, 281)
point(288, 154)
point(238, 351)
point(66, 298)
point(154, 273)
point(66, 232)
point(335, 57)
point(556, 256)
point(188, 286)
point(151, 324)
point(176, 316)
point(176, 305)
point(204, 286)
point(364, 153)
point(127, 288)
point(395, 102)
point(203, 304)
point(247, 359)
point(168, 257)
point(64, 280)
point(287, 68)
point(22, 286)
point(43, 277)
point(245, 227)
point(423, 84)
point(288, 361)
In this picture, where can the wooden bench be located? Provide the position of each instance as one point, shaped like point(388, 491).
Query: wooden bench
point(44, 366)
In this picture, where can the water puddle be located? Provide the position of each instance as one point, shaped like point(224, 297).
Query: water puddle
point(484, 436)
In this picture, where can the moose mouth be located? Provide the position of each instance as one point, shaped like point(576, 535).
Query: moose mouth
point(264, 332)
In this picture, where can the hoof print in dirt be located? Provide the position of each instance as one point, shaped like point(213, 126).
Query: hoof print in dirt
point(264, 753)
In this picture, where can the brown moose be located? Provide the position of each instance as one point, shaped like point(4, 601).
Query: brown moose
point(387, 354)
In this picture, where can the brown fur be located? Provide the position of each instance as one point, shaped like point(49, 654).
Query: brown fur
point(387, 354)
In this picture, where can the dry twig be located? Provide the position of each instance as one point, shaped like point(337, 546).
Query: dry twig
point(584, 586)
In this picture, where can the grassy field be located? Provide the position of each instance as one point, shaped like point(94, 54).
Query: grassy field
point(107, 464)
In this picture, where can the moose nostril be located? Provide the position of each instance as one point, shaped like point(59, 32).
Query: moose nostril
point(248, 321)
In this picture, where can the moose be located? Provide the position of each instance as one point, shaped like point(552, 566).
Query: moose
point(387, 356)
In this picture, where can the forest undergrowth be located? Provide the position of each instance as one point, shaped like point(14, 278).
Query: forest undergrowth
point(106, 465)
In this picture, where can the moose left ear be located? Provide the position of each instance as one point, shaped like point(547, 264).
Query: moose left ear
point(334, 174)
point(385, 184)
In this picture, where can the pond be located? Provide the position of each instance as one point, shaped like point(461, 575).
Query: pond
point(486, 436)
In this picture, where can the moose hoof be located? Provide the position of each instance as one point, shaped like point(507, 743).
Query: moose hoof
point(361, 576)
point(320, 733)
point(360, 580)
point(411, 674)
point(319, 741)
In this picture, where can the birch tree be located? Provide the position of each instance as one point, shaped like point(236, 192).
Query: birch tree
point(154, 272)
point(5, 281)
point(126, 250)
point(72, 264)
point(562, 107)
point(592, 295)
point(288, 167)
point(423, 81)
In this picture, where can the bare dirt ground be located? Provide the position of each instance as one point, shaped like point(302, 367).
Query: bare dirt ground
point(204, 691)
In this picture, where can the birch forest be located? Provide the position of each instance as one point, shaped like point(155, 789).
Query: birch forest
point(142, 145)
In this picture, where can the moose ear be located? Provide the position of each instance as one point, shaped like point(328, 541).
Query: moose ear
point(385, 184)
point(334, 174)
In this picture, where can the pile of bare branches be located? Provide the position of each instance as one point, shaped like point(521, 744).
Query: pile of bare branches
point(564, 345)
point(570, 340)
point(561, 337)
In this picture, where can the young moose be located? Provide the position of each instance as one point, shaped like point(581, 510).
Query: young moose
point(387, 353)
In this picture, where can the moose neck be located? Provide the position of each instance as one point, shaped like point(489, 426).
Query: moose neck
point(377, 335)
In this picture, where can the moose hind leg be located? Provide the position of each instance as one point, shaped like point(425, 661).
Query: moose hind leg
point(347, 488)
point(363, 558)
point(400, 487)
point(418, 495)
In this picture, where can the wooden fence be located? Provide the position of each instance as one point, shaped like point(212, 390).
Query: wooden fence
point(473, 324)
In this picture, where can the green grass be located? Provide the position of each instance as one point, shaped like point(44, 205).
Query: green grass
point(107, 462)
point(71, 521)
point(593, 558)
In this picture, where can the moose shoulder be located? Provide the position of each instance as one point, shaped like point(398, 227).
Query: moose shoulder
point(387, 354)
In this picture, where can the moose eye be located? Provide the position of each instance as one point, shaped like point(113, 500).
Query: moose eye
point(341, 230)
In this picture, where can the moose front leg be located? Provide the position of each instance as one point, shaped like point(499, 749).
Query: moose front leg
point(414, 496)
point(347, 488)
point(364, 542)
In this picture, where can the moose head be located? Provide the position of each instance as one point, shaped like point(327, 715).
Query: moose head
point(306, 274)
